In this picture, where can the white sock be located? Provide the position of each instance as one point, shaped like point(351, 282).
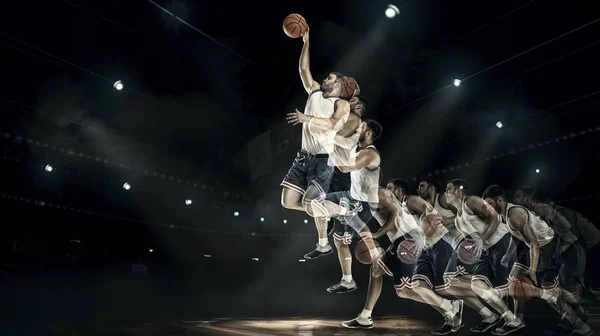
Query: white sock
point(323, 241)
point(343, 211)
point(347, 278)
point(548, 295)
point(446, 305)
point(509, 316)
point(486, 313)
point(365, 313)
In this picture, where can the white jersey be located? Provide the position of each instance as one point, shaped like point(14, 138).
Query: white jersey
point(468, 223)
point(451, 238)
point(364, 184)
point(321, 107)
point(405, 222)
point(543, 233)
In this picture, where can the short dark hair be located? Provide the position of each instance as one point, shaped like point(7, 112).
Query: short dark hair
point(374, 127)
point(530, 192)
point(400, 183)
point(364, 102)
point(432, 183)
point(494, 192)
point(458, 183)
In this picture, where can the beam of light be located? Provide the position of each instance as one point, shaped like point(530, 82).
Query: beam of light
point(201, 32)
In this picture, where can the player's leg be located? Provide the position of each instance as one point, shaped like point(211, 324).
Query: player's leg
point(342, 238)
point(294, 184)
point(429, 276)
point(364, 320)
point(571, 281)
point(458, 284)
point(323, 247)
point(318, 177)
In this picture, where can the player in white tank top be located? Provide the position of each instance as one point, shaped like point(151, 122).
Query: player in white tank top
point(529, 228)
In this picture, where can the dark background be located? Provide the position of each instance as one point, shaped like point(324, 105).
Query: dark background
point(196, 112)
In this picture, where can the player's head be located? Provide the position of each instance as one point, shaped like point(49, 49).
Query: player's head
point(428, 188)
point(359, 105)
point(458, 188)
point(495, 197)
point(370, 131)
point(333, 84)
point(398, 187)
point(525, 196)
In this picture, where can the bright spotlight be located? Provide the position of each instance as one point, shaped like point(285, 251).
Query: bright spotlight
point(118, 85)
point(150, 250)
point(262, 219)
point(126, 186)
point(188, 201)
point(457, 82)
point(284, 221)
point(461, 187)
point(537, 171)
point(499, 124)
point(306, 221)
point(255, 259)
point(302, 260)
point(236, 213)
point(48, 168)
point(391, 11)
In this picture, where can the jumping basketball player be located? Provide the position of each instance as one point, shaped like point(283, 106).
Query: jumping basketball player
point(479, 225)
point(399, 215)
point(311, 161)
point(345, 141)
point(540, 261)
point(479, 222)
point(428, 280)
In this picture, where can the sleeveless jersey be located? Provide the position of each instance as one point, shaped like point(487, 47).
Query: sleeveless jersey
point(468, 223)
point(321, 107)
point(364, 184)
point(451, 238)
point(404, 223)
point(582, 227)
point(543, 233)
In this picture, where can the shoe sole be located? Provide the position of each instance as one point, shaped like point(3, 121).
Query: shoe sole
point(486, 329)
point(349, 290)
point(361, 327)
point(508, 333)
point(320, 255)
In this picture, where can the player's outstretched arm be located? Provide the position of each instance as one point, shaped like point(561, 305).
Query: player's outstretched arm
point(307, 79)
point(484, 210)
point(365, 158)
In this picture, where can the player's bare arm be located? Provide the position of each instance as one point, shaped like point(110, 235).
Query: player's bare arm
point(345, 137)
point(559, 223)
point(388, 206)
point(519, 221)
point(307, 79)
point(321, 125)
point(365, 158)
point(484, 210)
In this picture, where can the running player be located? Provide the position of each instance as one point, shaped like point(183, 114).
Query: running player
point(539, 260)
point(400, 216)
point(480, 223)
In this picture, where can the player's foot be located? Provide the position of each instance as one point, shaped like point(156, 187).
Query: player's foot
point(582, 331)
point(486, 324)
point(319, 252)
point(509, 327)
point(343, 287)
point(457, 311)
point(446, 329)
point(359, 323)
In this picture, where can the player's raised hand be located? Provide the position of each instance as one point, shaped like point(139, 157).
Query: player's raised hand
point(305, 35)
point(297, 117)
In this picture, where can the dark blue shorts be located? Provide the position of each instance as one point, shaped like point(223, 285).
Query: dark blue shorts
point(432, 263)
point(308, 168)
point(489, 267)
point(392, 265)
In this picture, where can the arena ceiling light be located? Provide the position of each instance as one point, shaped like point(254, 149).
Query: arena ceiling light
point(118, 85)
point(48, 168)
point(391, 11)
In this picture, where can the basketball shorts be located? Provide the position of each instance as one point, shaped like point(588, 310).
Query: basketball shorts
point(572, 268)
point(489, 267)
point(341, 182)
point(356, 222)
point(456, 267)
point(432, 263)
point(549, 264)
point(343, 232)
point(308, 168)
point(392, 265)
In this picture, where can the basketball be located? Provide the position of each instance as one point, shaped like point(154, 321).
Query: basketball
point(405, 252)
point(294, 25)
point(521, 289)
point(466, 254)
point(350, 88)
point(432, 225)
point(361, 251)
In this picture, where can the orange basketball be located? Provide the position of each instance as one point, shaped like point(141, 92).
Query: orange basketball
point(294, 25)
point(405, 252)
point(466, 254)
point(521, 289)
point(432, 226)
point(350, 88)
point(361, 251)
